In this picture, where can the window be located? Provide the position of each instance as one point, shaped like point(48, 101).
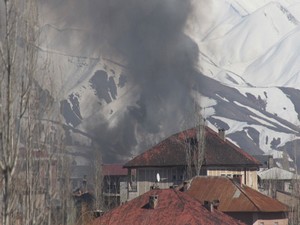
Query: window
point(236, 175)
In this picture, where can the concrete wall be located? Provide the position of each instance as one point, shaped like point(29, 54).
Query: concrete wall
point(251, 175)
point(261, 218)
point(272, 222)
point(169, 176)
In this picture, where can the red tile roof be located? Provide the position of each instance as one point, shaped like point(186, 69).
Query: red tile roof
point(174, 207)
point(113, 170)
point(233, 197)
point(171, 152)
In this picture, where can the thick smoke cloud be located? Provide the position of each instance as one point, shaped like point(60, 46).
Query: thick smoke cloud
point(160, 58)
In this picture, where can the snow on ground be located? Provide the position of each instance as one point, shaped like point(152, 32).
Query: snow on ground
point(265, 120)
point(265, 137)
point(261, 121)
point(249, 39)
point(277, 103)
point(279, 66)
point(253, 5)
point(241, 42)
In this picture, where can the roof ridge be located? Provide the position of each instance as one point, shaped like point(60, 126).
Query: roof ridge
point(240, 188)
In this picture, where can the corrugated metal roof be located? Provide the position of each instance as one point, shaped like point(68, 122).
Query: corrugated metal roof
point(276, 173)
point(171, 152)
point(233, 196)
point(174, 207)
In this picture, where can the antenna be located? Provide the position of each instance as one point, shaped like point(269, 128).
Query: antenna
point(157, 177)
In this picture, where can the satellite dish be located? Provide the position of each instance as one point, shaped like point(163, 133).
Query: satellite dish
point(157, 177)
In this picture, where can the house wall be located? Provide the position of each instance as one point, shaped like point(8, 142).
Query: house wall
point(272, 222)
point(146, 178)
point(270, 218)
point(251, 175)
point(287, 199)
point(260, 218)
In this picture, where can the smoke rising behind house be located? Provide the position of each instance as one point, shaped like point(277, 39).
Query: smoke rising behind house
point(160, 57)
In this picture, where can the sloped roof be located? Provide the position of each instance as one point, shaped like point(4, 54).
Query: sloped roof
point(233, 196)
point(276, 173)
point(263, 159)
point(171, 152)
point(113, 170)
point(174, 207)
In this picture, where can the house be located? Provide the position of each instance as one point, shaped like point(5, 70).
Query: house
point(114, 185)
point(168, 161)
point(277, 179)
point(165, 207)
point(292, 200)
point(237, 200)
point(284, 186)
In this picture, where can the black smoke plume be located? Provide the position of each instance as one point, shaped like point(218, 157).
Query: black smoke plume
point(160, 60)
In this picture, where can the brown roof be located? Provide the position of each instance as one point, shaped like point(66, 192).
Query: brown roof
point(174, 207)
point(233, 196)
point(171, 152)
point(113, 170)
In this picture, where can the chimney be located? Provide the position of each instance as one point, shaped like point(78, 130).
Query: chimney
point(98, 213)
point(270, 161)
point(216, 203)
point(153, 201)
point(186, 185)
point(211, 206)
point(222, 133)
point(238, 179)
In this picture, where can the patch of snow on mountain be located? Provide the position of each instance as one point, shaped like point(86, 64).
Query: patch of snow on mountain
point(253, 5)
point(294, 9)
point(234, 125)
point(205, 103)
point(250, 38)
point(277, 103)
point(248, 135)
point(265, 118)
point(225, 99)
point(261, 121)
point(281, 67)
point(266, 136)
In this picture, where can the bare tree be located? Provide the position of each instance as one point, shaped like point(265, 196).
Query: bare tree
point(17, 64)
point(31, 139)
point(195, 148)
point(97, 179)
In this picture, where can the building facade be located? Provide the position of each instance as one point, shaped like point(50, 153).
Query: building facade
point(168, 160)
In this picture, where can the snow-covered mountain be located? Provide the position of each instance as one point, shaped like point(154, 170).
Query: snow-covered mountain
point(127, 77)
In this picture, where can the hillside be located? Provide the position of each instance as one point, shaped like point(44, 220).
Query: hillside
point(127, 86)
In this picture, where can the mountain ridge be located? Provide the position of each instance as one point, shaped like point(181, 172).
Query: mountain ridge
point(238, 49)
